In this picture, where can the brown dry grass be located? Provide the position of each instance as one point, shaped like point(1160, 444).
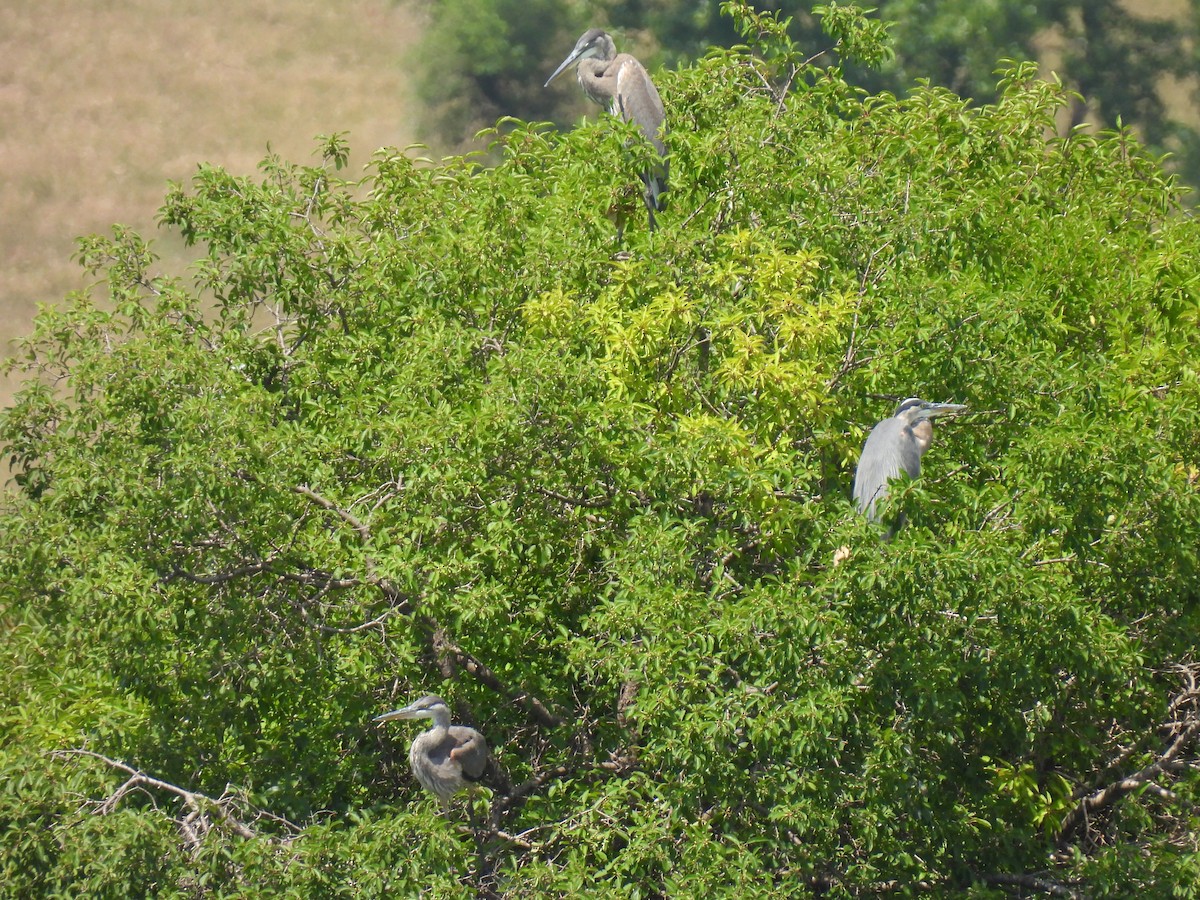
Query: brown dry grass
point(102, 102)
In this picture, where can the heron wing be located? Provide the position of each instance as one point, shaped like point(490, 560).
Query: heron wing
point(888, 451)
point(470, 751)
point(636, 99)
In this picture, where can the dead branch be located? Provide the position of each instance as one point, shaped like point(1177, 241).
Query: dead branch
point(585, 502)
point(519, 794)
point(618, 765)
point(444, 646)
point(201, 807)
point(242, 571)
point(1184, 731)
point(345, 515)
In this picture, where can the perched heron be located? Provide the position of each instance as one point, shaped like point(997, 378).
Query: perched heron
point(621, 83)
point(895, 445)
point(446, 758)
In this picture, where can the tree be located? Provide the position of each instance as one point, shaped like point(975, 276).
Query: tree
point(1116, 61)
point(1119, 63)
point(483, 59)
point(438, 431)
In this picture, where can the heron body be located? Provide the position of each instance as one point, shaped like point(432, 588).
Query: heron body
point(446, 758)
point(622, 84)
point(895, 446)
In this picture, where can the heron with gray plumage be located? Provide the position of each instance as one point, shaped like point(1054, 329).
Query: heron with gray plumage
point(446, 758)
point(893, 447)
point(621, 83)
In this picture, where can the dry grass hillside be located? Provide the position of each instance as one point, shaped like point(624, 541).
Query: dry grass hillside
point(102, 102)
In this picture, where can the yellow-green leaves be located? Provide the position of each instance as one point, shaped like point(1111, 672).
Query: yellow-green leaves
point(751, 336)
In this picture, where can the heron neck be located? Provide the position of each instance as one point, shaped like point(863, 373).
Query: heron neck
point(591, 75)
point(923, 432)
point(441, 723)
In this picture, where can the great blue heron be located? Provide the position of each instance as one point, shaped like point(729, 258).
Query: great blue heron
point(895, 445)
point(621, 83)
point(446, 758)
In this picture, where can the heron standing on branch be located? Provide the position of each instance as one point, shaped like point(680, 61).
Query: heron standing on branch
point(446, 758)
point(621, 83)
point(895, 445)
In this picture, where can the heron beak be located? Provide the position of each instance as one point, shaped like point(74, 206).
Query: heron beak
point(406, 713)
point(941, 409)
point(575, 54)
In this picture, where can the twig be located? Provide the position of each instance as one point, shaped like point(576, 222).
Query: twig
point(1055, 561)
point(528, 787)
point(585, 502)
point(201, 805)
point(349, 518)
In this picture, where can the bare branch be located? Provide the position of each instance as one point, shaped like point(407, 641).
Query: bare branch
point(1184, 732)
point(1055, 561)
point(221, 577)
point(349, 518)
point(436, 634)
point(444, 646)
point(618, 765)
point(1032, 882)
point(586, 502)
point(1160, 792)
point(365, 626)
point(202, 806)
point(521, 792)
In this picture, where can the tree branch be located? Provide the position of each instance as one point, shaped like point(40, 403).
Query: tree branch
point(221, 577)
point(1185, 733)
point(435, 633)
point(1032, 882)
point(202, 806)
point(345, 515)
point(585, 502)
point(444, 646)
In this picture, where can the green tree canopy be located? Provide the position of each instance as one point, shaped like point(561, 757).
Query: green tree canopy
point(488, 58)
point(436, 430)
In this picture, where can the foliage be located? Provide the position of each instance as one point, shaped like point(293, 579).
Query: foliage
point(483, 59)
point(1117, 61)
point(438, 431)
point(489, 57)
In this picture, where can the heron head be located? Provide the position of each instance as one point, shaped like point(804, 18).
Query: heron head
point(914, 410)
point(595, 42)
point(428, 707)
